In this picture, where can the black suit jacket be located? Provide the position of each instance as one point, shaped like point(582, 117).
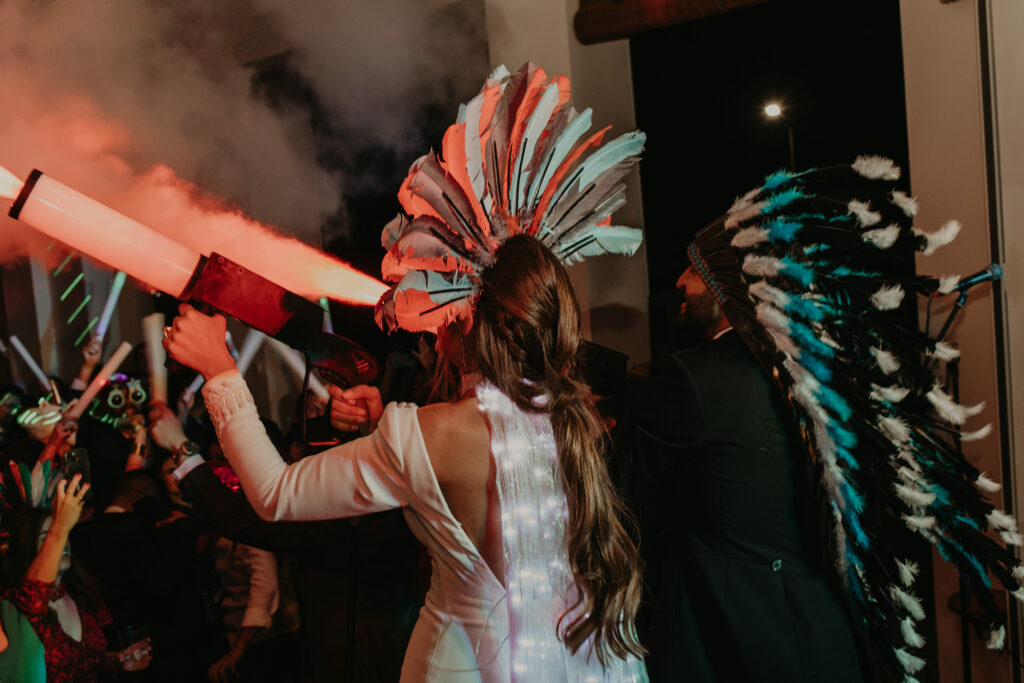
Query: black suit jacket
point(150, 576)
point(735, 593)
point(358, 581)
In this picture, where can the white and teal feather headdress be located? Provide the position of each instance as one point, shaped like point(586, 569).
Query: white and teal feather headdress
point(514, 162)
point(812, 270)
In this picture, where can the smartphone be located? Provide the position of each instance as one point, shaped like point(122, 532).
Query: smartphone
point(76, 461)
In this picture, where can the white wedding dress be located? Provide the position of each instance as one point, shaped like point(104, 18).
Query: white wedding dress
point(470, 628)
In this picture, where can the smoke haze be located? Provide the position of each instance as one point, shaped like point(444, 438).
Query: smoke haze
point(149, 106)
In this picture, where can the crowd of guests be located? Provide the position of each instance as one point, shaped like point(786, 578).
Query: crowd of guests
point(125, 559)
point(130, 552)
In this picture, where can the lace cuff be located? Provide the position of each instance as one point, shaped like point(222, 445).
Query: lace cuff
point(227, 395)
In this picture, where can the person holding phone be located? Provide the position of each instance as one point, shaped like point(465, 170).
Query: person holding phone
point(59, 601)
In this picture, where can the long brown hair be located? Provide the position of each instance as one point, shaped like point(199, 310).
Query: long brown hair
point(527, 327)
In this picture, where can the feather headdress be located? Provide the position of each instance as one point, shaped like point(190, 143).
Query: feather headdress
point(22, 487)
point(811, 269)
point(516, 161)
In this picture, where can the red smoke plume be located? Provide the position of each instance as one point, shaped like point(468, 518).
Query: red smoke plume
point(82, 144)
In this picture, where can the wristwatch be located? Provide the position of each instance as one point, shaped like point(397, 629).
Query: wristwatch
point(185, 450)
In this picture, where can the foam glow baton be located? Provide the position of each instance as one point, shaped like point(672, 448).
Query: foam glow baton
point(230, 342)
point(156, 356)
point(108, 308)
point(99, 381)
point(328, 323)
point(44, 381)
point(253, 342)
point(102, 233)
point(196, 385)
point(293, 359)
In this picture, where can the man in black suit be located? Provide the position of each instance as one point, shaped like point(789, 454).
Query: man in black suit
point(149, 576)
point(359, 582)
point(736, 589)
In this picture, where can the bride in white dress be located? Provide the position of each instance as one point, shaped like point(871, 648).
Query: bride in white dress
point(534, 577)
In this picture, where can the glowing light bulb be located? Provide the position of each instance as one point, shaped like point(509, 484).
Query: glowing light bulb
point(10, 184)
point(772, 110)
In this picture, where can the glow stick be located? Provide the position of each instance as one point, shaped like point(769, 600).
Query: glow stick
point(253, 342)
point(153, 333)
point(108, 308)
point(99, 381)
point(104, 234)
point(328, 323)
point(44, 381)
point(293, 359)
point(196, 385)
point(230, 342)
point(57, 398)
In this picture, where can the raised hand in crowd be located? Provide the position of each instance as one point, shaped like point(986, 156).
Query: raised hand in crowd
point(164, 427)
point(137, 456)
point(67, 510)
point(92, 352)
point(61, 439)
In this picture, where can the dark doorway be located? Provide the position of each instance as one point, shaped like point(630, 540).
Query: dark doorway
point(836, 70)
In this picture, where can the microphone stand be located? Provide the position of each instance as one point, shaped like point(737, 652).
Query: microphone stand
point(957, 307)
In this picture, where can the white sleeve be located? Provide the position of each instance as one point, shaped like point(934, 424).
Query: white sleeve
point(263, 590)
point(356, 478)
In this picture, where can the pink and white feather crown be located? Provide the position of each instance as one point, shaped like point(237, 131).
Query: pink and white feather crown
point(515, 161)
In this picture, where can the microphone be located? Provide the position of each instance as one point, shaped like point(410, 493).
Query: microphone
point(992, 272)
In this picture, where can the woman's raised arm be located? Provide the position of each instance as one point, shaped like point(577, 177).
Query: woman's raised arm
point(359, 477)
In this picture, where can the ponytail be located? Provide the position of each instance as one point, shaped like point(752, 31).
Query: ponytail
point(602, 556)
point(525, 340)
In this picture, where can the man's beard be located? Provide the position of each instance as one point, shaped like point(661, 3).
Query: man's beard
point(700, 319)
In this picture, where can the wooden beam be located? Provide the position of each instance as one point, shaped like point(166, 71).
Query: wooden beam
point(598, 21)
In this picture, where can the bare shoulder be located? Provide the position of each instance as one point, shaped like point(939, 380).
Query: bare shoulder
point(456, 437)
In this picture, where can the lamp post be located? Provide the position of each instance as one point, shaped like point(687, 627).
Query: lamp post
point(773, 110)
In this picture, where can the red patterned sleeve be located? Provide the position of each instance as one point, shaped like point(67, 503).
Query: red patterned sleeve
point(32, 598)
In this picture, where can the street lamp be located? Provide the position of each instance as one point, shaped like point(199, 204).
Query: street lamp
point(773, 110)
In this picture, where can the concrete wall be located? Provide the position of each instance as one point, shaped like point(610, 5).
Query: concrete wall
point(1006, 61)
point(612, 290)
point(1006, 31)
point(944, 55)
